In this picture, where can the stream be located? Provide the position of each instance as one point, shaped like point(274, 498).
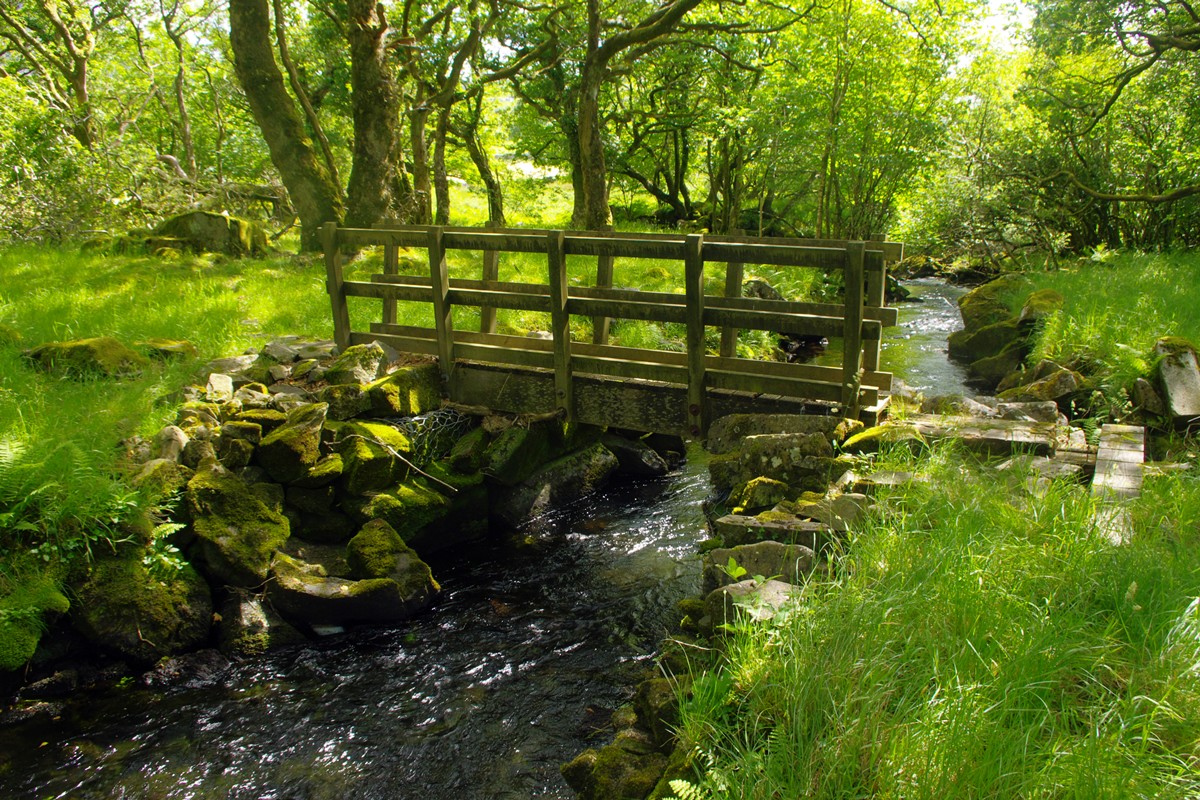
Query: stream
point(534, 641)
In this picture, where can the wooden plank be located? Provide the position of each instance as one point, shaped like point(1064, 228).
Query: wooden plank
point(494, 299)
point(403, 344)
point(493, 354)
point(884, 316)
point(624, 368)
point(385, 291)
point(790, 387)
point(876, 297)
point(391, 266)
point(604, 280)
point(560, 323)
point(779, 255)
point(623, 309)
point(734, 277)
point(599, 244)
point(693, 267)
point(881, 381)
point(335, 285)
point(853, 336)
point(491, 275)
point(799, 324)
point(442, 307)
point(366, 237)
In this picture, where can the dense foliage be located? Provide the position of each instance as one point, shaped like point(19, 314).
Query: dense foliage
point(838, 119)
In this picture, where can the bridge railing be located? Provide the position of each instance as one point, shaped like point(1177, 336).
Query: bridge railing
point(694, 383)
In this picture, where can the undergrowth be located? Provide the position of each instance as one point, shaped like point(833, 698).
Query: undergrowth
point(976, 640)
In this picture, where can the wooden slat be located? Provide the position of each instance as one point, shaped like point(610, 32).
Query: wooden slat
point(492, 354)
point(519, 301)
point(884, 316)
point(335, 285)
point(854, 334)
point(827, 258)
point(762, 384)
point(491, 275)
point(621, 309)
point(364, 237)
point(442, 307)
point(386, 291)
point(881, 381)
point(560, 323)
point(734, 276)
point(604, 280)
point(693, 267)
point(876, 296)
point(798, 324)
point(403, 344)
point(391, 266)
point(623, 368)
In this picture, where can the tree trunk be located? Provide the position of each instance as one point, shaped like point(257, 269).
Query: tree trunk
point(441, 181)
point(495, 192)
point(419, 145)
point(593, 173)
point(315, 196)
point(376, 110)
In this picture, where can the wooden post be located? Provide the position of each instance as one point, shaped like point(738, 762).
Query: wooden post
point(491, 272)
point(443, 322)
point(693, 262)
point(877, 298)
point(560, 322)
point(604, 280)
point(391, 266)
point(734, 275)
point(335, 285)
point(852, 336)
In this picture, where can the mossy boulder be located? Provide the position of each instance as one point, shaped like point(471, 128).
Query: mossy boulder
point(1040, 305)
point(992, 370)
point(267, 419)
point(360, 363)
point(620, 770)
point(987, 304)
point(25, 602)
point(407, 392)
point(161, 477)
point(750, 599)
point(102, 356)
point(985, 342)
point(377, 551)
point(345, 400)
point(123, 607)
point(374, 456)
point(1056, 386)
point(248, 627)
point(327, 470)
point(562, 481)
point(467, 454)
point(801, 460)
point(207, 232)
point(304, 592)
point(758, 493)
point(168, 349)
point(237, 532)
point(519, 451)
point(290, 451)
point(787, 562)
point(727, 433)
point(870, 440)
point(634, 457)
point(412, 509)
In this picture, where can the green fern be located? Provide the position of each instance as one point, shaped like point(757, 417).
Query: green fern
point(686, 790)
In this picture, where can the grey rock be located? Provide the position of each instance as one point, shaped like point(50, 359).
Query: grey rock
point(281, 351)
point(1179, 377)
point(1146, 397)
point(636, 458)
point(219, 388)
point(748, 600)
point(787, 562)
point(169, 443)
point(728, 433)
point(558, 483)
point(1034, 411)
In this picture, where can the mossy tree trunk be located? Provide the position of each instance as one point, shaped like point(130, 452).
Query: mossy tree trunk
point(315, 195)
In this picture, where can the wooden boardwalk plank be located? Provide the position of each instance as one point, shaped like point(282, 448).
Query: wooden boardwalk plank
point(1118, 477)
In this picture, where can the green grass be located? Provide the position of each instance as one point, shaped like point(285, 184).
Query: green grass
point(1117, 305)
point(974, 641)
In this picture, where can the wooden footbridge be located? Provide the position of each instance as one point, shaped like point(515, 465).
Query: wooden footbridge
point(599, 383)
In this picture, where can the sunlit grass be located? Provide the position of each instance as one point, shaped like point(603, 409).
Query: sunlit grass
point(975, 641)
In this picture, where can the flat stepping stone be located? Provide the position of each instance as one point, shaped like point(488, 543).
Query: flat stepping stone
point(738, 529)
point(998, 437)
point(1118, 477)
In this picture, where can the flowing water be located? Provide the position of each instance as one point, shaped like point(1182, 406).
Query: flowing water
point(534, 641)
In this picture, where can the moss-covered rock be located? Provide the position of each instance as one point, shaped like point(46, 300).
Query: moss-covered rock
point(237, 532)
point(406, 392)
point(377, 551)
point(636, 458)
point(1039, 305)
point(988, 304)
point(360, 363)
point(195, 414)
point(410, 508)
point(519, 451)
point(208, 232)
point(992, 370)
point(801, 460)
point(345, 400)
point(869, 440)
point(618, 771)
point(102, 356)
point(303, 592)
point(123, 607)
point(986, 342)
point(374, 456)
point(758, 493)
point(1056, 386)
point(290, 451)
point(267, 419)
point(161, 478)
point(25, 602)
point(234, 453)
point(327, 470)
point(467, 454)
point(249, 627)
point(727, 433)
point(787, 562)
point(560, 482)
point(168, 349)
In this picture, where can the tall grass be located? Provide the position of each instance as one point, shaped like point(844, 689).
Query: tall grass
point(975, 641)
point(1117, 305)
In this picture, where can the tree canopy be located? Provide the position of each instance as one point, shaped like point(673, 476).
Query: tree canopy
point(827, 118)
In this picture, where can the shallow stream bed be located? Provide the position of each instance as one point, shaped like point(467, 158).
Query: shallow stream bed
point(535, 640)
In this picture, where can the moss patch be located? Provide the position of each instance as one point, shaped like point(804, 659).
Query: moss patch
point(238, 533)
point(406, 392)
point(372, 456)
point(102, 356)
point(291, 450)
point(24, 605)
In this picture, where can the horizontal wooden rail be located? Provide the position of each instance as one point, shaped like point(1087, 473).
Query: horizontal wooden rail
point(700, 379)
